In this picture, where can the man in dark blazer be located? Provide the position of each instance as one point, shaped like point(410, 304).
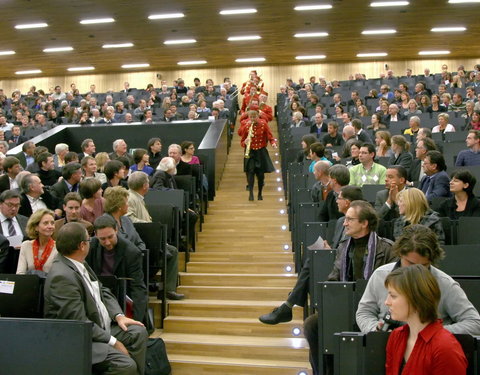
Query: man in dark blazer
point(175, 152)
point(393, 114)
point(72, 291)
point(34, 197)
point(16, 138)
point(12, 224)
point(26, 155)
point(386, 200)
point(423, 146)
point(111, 255)
point(360, 133)
point(72, 174)
point(339, 177)
point(11, 167)
point(436, 182)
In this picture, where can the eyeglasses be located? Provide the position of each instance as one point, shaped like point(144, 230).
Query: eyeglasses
point(87, 240)
point(12, 205)
point(349, 219)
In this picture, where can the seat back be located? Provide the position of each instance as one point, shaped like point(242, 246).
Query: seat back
point(461, 260)
point(22, 296)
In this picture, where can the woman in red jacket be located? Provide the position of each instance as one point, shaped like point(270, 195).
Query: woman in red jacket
point(422, 346)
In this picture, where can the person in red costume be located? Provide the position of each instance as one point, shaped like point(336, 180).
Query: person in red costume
point(422, 346)
point(255, 136)
point(265, 109)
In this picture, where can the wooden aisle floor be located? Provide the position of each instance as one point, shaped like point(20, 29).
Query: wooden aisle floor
point(238, 272)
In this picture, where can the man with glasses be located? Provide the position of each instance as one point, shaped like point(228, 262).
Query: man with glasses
point(436, 182)
point(72, 291)
point(423, 146)
point(418, 245)
point(12, 225)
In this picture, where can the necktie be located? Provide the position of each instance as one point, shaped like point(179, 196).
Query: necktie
point(11, 228)
point(426, 185)
point(95, 289)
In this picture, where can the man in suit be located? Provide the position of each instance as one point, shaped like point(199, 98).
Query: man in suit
point(436, 182)
point(424, 145)
point(12, 224)
point(393, 114)
point(72, 174)
point(26, 155)
point(361, 134)
point(319, 127)
point(11, 167)
point(339, 177)
point(120, 149)
point(16, 138)
point(72, 291)
point(175, 152)
point(112, 255)
point(35, 197)
point(71, 207)
point(386, 200)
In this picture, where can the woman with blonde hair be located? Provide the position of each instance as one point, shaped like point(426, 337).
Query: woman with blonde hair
point(101, 158)
point(414, 209)
point(413, 297)
point(443, 125)
point(401, 155)
point(383, 140)
point(38, 254)
point(412, 108)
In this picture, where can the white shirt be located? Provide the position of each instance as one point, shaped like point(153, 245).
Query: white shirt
point(36, 203)
point(94, 289)
point(4, 221)
point(13, 183)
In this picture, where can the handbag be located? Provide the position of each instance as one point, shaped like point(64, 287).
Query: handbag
point(156, 360)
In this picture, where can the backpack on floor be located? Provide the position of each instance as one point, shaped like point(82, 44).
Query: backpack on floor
point(156, 360)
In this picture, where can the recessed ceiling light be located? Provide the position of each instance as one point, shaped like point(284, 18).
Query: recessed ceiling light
point(389, 3)
point(245, 37)
point(379, 32)
point(229, 12)
point(423, 53)
point(310, 35)
point(463, 1)
point(130, 66)
point(251, 59)
point(192, 62)
point(313, 7)
point(372, 54)
point(448, 29)
point(165, 16)
point(96, 20)
point(31, 25)
point(180, 41)
point(5, 53)
point(311, 57)
point(58, 49)
point(34, 71)
point(118, 45)
point(80, 68)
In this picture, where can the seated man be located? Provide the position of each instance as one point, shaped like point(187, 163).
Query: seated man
point(72, 291)
point(322, 187)
point(71, 206)
point(115, 171)
point(138, 213)
point(386, 200)
point(111, 255)
point(72, 174)
point(120, 149)
point(34, 197)
point(471, 156)
point(47, 172)
point(163, 177)
point(367, 172)
point(418, 245)
point(116, 207)
point(11, 167)
point(339, 176)
point(332, 138)
point(436, 182)
point(175, 152)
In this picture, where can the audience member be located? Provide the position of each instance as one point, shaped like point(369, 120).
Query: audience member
point(386, 201)
point(471, 156)
point(92, 204)
point(435, 183)
point(47, 172)
point(71, 206)
point(332, 138)
point(401, 155)
point(141, 162)
point(71, 177)
point(34, 197)
point(443, 125)
point(89, 167)
point(120, 150)
point(463, 202)
point(322, 185)
point(154, 146)
point(339, 177)
point(188, 150)
point(11, 168)
point(367, 172)
point(115, 172)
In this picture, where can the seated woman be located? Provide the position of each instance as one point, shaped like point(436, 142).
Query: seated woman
point(362, 111)
point(354, 152)
point(414, 124)
point(422, 346)
point(92, 204)
point(412, 108)
point(101, 158)
point(188, 150)
point(401, 155)
point(338, 112)
point(443, 125)
point(424, 103)
point(383, 141)
point(414, 209)
point(163, 179)
point(436, 105)
point(376, 123)
point(463, 203)
point(38, 254)
point(405, 100)
point(202, 110)
point(304, 153)
point(141, 160)
point(474, 123)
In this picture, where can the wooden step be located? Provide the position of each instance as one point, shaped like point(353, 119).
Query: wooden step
point(231, 326)
point(240, 267)
point(220, 246)
point(202, 365)
point(226, 308)
point(235, 292)
point(269, 348)
point(246, 280)
point(232, 256)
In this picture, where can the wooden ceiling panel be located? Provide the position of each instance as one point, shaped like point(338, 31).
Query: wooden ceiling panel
point(275, 21)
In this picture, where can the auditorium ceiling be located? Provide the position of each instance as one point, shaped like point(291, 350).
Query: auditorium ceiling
point(274, 25)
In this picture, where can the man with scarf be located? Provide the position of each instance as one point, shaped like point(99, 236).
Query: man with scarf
point(358, 255)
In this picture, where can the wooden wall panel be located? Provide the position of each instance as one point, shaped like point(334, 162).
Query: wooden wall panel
point(273, 75)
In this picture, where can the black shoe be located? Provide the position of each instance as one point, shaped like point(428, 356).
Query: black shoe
point(175, 296)
point(280, 314)
point(250, 196)
point(260, 198)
